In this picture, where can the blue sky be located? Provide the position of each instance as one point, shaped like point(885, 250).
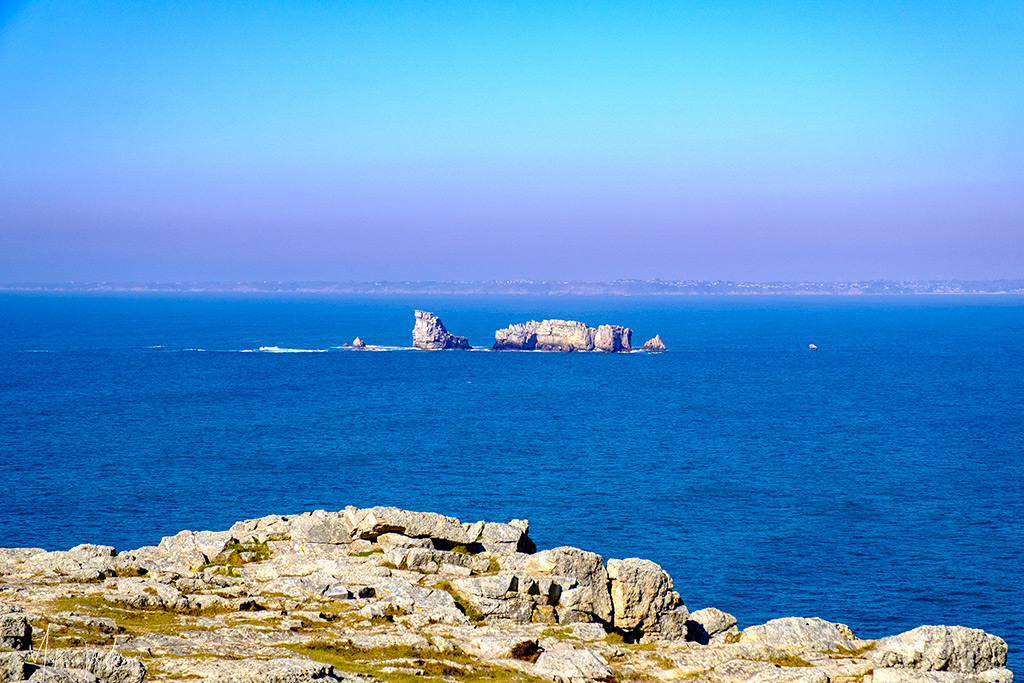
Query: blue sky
point(482, 140)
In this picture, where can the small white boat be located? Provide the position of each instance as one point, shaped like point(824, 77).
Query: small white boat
point(812, 347)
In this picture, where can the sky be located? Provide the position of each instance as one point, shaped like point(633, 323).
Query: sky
point(477, 140)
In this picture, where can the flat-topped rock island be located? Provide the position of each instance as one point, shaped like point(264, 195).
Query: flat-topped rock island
point(430, 334)
point(384, 594)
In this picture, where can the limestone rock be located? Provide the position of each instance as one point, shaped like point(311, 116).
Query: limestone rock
point(321, 527)
point(562, 335)
point(941, 648)
point(568, 666)
point(613, 338)
point(919, 676)
point(15, 632)
point(108, 666)
point(582, 580)
point(373, 522)
point(654, 344)
point(518, 337)
point(642, 594)
point(358, 343)
point(12, 666)
point(797, 634)
point(432, 602)
point(429, 333)
point(389, 541)
point(705, 624)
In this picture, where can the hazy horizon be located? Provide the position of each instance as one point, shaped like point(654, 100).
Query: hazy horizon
point(744, 141)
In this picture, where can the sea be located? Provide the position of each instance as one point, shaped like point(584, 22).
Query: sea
point(875, 481)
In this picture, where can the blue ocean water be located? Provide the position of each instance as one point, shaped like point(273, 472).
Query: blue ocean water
point(876, 481)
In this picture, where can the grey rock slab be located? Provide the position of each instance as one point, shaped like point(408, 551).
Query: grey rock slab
point(368, 641)
point(432, 602)
point(919, 676)
point(492, 586)
point(331, 528)
point(571, 666)
point(389, 541)
point(590, 631)
point(940, 648)
point(799, 634)
point(52, 674)
point(371, 523)
point(280, 670)
point(107, 665)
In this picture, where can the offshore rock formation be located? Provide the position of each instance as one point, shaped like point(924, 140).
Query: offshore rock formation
point(358, 343)
point(429, 333)
point(654, 344)
point(562, 335)
point(381, 594)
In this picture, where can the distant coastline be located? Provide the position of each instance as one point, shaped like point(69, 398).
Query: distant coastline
point(545, 287)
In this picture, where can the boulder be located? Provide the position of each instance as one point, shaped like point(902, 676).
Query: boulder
point(15, 632)
point(704, 624)
point(798, 634)
point(13, 666)
point(373, 522)
point(358, 343)
point(642, 594)
point(940, 648)
point(654, 344)
point(613, 338)
point(430, 334)
point(581, 580)
point(389, 541)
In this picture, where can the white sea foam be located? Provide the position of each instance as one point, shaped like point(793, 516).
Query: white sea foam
point(279, 349)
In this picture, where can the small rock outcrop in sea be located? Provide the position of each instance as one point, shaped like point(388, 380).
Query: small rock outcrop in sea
point(654, 344)
point(365, 595)
point(562, 335)
point(429, 334)
point(358, 343)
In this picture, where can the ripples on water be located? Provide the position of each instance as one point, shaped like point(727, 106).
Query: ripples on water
point(876, 481)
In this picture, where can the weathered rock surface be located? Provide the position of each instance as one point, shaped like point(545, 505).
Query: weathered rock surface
point(798, 634)
point(643, 599)
point(384, 593)
point(654, 344)
point(562, 335)
point(613, 338)
point(358, 343)
point(941, 648)
point(430, 334)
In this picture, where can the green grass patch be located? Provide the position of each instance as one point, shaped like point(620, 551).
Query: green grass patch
point(434, 665)
point(464, 605)
point(367, 553)
point(854, 652)
point(788, 660)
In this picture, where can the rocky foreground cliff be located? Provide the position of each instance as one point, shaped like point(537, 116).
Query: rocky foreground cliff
point(384, 594)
